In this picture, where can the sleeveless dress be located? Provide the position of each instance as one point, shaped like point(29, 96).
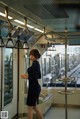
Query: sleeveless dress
point(34, 87)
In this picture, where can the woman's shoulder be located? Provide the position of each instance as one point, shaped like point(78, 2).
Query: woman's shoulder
point(35, 63)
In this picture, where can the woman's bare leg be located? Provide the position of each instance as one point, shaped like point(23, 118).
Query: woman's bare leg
point(38, 112)
point(30, 112)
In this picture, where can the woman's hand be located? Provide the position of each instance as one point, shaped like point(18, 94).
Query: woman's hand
point(24, 76)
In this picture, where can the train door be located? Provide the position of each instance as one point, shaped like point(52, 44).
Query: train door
point(9, 94)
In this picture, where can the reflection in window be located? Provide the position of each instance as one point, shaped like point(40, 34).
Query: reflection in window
point(55, 66)
point(8, 76)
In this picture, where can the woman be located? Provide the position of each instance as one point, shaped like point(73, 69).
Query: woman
point(34, 87)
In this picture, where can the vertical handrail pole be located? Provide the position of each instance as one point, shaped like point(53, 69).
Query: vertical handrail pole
point(65, 77)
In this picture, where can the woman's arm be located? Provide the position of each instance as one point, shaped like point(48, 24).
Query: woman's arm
point(24, 76)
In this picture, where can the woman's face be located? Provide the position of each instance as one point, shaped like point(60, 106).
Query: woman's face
point(32, 58)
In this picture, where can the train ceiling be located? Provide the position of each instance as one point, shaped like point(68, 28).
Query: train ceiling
point(54, 15)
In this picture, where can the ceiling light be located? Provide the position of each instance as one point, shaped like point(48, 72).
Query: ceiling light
point(38, 30)
point(20, 22)
point(10, 17)
point(2, 14)
point(30, 26)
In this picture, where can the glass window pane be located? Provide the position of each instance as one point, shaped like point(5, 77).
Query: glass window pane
point(54, 66)
point(8, 76)
point(26, 64)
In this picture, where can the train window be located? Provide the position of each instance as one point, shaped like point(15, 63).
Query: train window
point(26, 64)
point(8, 75)
point(55, 67)
point(43, 66)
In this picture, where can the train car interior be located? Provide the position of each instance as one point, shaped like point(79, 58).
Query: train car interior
point(52, 27)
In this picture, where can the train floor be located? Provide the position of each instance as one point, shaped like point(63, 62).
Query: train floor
point(59, 113)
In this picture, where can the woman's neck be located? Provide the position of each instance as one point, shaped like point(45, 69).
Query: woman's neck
point(34, 60)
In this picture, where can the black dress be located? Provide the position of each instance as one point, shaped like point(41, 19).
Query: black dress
point(34, 87)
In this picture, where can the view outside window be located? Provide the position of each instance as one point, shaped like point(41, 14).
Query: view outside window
point(44, 66)
point(55, 66)
point(8, 76)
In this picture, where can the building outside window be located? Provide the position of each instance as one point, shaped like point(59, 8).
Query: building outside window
point(55, 69)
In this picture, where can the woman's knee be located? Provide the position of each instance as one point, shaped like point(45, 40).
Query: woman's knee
point(30, 107)
point(34, 107)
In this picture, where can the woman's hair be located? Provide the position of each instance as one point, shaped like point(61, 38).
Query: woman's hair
point(35, 53)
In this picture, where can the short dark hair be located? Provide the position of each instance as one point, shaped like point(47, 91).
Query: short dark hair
point(35, 53)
